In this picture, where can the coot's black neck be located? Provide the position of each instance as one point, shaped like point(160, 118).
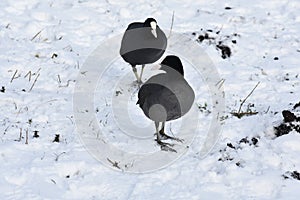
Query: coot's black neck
point(174, 70)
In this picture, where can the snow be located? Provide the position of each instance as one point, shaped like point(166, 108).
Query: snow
point(44, 49)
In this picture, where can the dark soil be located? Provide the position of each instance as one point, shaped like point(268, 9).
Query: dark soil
point(220, 42)
point(2, 89)
point(290, 122)
point(56, 139)
point(293, 174)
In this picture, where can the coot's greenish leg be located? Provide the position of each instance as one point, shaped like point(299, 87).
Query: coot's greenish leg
point(136, 74)
point(143, 43)
point(164, 136)
point(163, 145)
point(165, 97)
point(142, 71)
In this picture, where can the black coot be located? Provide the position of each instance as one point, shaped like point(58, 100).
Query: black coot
point(143, 43)
point(166, 96)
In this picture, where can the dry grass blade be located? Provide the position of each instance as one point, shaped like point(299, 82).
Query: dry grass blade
point(34, 82)
point(36, 35)
point(248, 97)
point(171, 25)
point(14, 76)
point(114, 164)
point(240, 114)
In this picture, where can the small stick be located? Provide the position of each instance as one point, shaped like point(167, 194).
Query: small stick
point(37, 72)
point(171, 131)
point(58, 78)
point(36, 35)
point(247, 97)
point(67, 84)
point(34, 82)
point(14, 76)
point(241, 114)
point(220, 82)
point(267, 110)
point(26, 142)
point(70, 119)
point(58, 155)
point(220, 29)
point(16, 107)
point(171, 25)
point(20, 138)
point(28, 74)
point(114, 164)
point(5, 130)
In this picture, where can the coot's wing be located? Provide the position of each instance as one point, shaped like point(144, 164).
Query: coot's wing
point(184, 93)
point(162, 38)
point(169, 100)
point(151, 86)
point(156, 94)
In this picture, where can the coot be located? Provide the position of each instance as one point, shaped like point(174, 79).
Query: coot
point(143, 43)
point(165, 97)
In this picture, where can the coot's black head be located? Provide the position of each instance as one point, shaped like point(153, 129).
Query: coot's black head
point(171, 63)
point(148, 21)
point(151, 22)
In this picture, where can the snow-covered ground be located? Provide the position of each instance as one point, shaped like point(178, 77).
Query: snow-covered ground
point(43, 46)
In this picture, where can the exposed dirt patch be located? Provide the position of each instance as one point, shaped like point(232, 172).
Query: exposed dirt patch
point(291, 121)
point(222, 43)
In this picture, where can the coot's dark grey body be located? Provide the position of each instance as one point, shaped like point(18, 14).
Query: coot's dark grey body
point(139, 46)
point(166, 96)
point(171, 91)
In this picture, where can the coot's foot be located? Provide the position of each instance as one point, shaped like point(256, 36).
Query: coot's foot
point(134, 88)
point(139, 82)
point(164, 136)
point(164, 146)
point(136, 84)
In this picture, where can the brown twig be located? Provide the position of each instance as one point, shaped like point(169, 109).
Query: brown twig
point(57, 156)
point(26, 141)
point(114, 164)
point(240, 113)
point(13, 77)
point(267, 110)
point(67, 84)
point(248, 97)
point(20, 138)
point(37, 72)
point(36, 35)
point(34, 82)
point(70, 119)
point(220, 82)
point(29, 76)
point(16, 107)
point(58, 79)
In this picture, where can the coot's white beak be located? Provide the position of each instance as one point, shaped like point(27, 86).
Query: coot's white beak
point(153, 28)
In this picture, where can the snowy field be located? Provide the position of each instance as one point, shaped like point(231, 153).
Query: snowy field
point(255, 47)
